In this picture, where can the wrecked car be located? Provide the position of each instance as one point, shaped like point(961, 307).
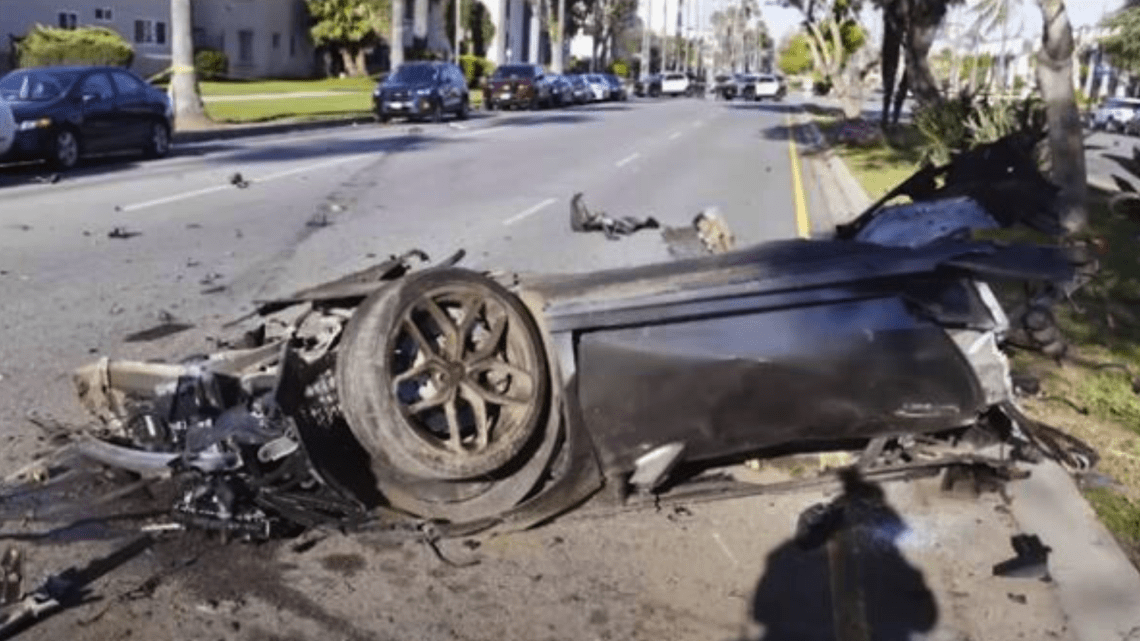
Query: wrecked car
point(485, 399)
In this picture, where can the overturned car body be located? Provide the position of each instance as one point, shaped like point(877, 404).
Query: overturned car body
point(505, 399)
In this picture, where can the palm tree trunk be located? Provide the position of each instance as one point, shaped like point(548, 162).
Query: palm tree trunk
point(188, 109)
point(557, 46)
point(396, 44)
point(1066, 145)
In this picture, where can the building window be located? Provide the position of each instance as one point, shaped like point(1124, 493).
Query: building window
point(68, 19)
point(245, 46)
point(104, 15)
point(276, 41)
point(150, 32)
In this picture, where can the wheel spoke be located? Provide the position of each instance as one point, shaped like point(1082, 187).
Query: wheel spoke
point(471, 305)
point(519, 376)
point(497, 398)
point(428, 403)
point(491, 341)
point(479, 409)
point(446, 325)
point(422, 343)
point(449, 410)
point(414, 372)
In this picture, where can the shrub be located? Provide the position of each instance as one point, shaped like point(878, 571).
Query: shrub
point(961, 123)
point(620, 68)
point(50, 46)
point(475, 69)
point(211, 64)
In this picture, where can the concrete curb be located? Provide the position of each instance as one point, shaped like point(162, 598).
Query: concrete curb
point(842, 195)
point(1098, 589)
point(228, 132)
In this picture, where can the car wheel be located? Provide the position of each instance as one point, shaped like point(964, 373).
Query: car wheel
point(464, 109)
point(443, 376)
point(65, 149)
point(383, 118)
point(534, 104)
point(489, 104)
point(158, 143)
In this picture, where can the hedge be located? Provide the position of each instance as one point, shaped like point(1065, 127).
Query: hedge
point(51, 46)
point(475, 69)
point(211, 64)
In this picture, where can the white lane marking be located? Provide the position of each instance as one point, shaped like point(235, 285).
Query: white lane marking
point(675, 135)
point(628, 159)
point(216, 188)
point(529, 212)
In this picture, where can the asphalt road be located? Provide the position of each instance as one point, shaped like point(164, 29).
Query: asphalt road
point(321, 204)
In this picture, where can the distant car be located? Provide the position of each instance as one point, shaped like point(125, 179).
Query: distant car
point(582, 91)
point(64, 113)
point(768, 86)
point(725, 87)
point(649, 86)
point(422, 90)
point(617, 88)
point(1114, 113)
point(561, 90)
point(599, 87)
point(7, 128)
point(674, 83)
point(517, 86)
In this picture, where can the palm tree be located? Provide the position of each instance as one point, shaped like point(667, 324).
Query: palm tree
point(997, 13)
point(188, 109)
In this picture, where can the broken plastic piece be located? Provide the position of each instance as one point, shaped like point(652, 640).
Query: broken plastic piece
point(1030, 562)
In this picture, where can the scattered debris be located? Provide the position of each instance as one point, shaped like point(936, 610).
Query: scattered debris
point(1030, 562)
point(66, 589)
point(50, 179)
point(158, 331)
point(238, 181)
point(713, 231)
point(319, 220)
point(193, 226)
point(122, 233)
point(1017, 598)
point(20, 227)
point(216, 289)
point(210, 278)
point(11, 576)
point(583, 220)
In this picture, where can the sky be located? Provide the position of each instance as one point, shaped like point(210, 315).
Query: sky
point(784, 21)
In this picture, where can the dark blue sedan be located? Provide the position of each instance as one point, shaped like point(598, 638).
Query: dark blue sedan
point(63, 113)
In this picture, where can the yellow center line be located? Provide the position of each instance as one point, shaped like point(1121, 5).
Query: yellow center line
point(803, 225)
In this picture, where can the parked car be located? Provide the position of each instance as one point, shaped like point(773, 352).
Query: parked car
point(561, 90)
point(1114, 113)
point(768, 86)
point(617, 87)
point(648, 86)
point(582, 91)
point(64, 113)
point(674, 83)
point(7, 128)
point(725, 87)
point(517, 86)
point(422, 90)
point(598, 86)
point(697, 86)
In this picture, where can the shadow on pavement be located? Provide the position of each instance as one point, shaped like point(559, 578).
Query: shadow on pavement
point(763, 106)
point(843, 576)
point(417, 137)
point(32, 173)
point(534, 120)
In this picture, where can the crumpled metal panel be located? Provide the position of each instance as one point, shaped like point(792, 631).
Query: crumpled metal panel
point(917, 224)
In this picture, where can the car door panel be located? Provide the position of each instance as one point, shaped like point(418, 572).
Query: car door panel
point(99, 124)
point(135, 111)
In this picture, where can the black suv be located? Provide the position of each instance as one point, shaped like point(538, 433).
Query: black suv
point(422, 90)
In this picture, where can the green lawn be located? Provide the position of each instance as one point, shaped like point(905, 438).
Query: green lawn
point(1090, 394)
point(349, 105)
point(251, 87)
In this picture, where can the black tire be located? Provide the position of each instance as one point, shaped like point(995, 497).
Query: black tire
point(400, 343)
point(66, 149)
point(158, 142)
point(464, 109)
point(383, 118)
point(535, 104)
point(489, 104)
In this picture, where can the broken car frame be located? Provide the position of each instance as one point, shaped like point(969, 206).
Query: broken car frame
point(484, 400)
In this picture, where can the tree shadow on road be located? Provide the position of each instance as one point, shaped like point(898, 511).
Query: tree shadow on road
point(779, 108)
point(536, 119)
point(843, 576)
